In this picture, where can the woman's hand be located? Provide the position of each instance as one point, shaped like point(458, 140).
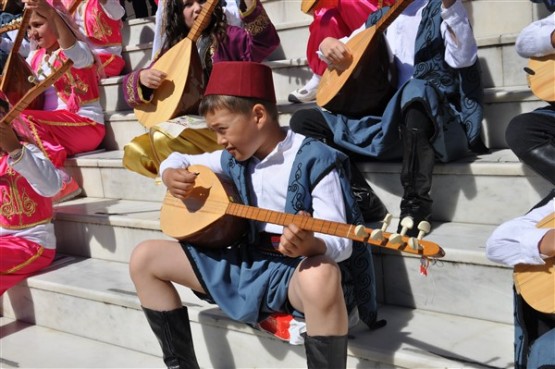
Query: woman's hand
point(151, 78)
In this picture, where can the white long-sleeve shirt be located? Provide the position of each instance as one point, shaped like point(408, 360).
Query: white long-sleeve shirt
point(45, 180)
point(516, 241)
point(461, 49)
point(269, 179)
point(535, 39)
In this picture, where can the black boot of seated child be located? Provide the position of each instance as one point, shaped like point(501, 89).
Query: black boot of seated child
point(542, 160)
point(416, 178)
point(173, 331)
point(371, 207)
point(326, 352)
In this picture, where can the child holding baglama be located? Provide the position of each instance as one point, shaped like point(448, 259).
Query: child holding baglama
point(273, 269)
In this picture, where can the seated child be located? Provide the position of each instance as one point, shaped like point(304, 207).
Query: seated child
point(72, 120)
point(272, 269)
point(28, 180)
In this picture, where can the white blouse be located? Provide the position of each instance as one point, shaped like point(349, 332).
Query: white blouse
point(516, 241)
point(535, 39)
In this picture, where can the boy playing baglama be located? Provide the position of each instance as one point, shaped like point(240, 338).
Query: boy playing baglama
point(271, 269)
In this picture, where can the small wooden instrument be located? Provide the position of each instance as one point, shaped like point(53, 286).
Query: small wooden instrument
point(200, 217)
point(536, 283)
point(17, 76)
point(182, 90)
point(369, 81)
point(35, 91)
point(541, 77)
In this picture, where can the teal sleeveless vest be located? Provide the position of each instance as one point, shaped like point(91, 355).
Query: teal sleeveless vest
point(313, 161)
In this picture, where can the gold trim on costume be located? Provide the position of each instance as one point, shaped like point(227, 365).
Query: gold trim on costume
point(259, 25)
point(25, 263)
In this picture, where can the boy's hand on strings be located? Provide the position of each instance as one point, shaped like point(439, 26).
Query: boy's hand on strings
point(152, 78)
point(296, 242)
point(337, 54)
point(179, 181)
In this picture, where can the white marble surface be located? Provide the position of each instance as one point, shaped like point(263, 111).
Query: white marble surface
point(95, 299)
point(30, 346)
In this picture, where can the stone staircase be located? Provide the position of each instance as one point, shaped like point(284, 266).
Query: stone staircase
point(83, 310)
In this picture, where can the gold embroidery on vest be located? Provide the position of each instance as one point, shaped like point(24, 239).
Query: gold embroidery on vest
point(15, 202)
point(100, 28)
point(80, 87)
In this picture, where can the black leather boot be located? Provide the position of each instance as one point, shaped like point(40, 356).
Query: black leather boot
point(542, 160)
point(416, 177)
point(326, 352)
point(173, 331)
point(371, 207)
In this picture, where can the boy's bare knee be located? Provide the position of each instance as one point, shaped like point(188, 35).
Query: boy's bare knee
point(140, 257)
point(319, 276)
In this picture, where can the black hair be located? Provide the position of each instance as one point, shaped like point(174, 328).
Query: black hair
point(176, 29)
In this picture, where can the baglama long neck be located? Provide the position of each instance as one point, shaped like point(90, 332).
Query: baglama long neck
point(202, 20)
point(304, 222)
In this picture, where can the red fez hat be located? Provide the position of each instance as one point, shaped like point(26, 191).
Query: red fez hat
point(243, 79)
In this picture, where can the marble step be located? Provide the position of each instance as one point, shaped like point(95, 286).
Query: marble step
point(500, 106)
point(501, 66)
point(467, 191)
point(95, 300)
point(288, 75)
point(109, 229)
point(31, 346)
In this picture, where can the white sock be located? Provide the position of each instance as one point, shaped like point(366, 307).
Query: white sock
point(313, 83)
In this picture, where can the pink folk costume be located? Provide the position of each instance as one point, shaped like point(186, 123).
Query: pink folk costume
point(102, 25)
point(27, 240)
point(255, 41)
point(72, 120)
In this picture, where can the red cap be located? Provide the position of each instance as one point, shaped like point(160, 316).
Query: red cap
point(243, 79)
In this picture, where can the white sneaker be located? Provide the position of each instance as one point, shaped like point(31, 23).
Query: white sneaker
point(307, 93)
point(303, 95)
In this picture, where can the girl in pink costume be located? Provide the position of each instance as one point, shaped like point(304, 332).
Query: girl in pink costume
point(72, 120)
